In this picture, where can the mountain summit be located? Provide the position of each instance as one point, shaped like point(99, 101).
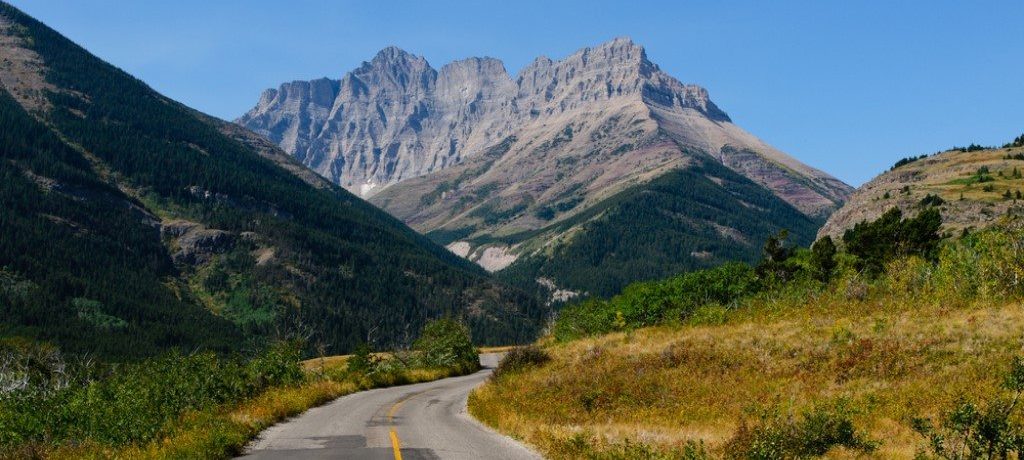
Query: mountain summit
point(395, 117)
point(500, 167)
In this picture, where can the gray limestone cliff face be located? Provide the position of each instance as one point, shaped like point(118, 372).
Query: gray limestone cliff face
point(395, 118)
point(613, 70)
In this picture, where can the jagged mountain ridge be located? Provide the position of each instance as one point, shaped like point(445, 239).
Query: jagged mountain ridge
point(398, 97)
point(513, 171)
point(395, 117)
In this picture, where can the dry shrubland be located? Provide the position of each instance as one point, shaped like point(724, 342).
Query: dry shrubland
point(852, 367)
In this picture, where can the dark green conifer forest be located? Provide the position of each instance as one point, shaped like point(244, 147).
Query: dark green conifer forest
point(681, 221)
point(88, 183)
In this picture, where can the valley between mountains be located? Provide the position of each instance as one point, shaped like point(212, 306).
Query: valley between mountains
point(577, 175)
point(586, 258)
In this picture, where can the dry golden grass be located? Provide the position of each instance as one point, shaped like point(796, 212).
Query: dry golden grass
point(325, 362)
point(890, 357)
point(952, 176)
point(947, 172)
point(502, 349)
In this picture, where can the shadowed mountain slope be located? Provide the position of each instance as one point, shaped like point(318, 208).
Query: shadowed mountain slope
point(141, 224)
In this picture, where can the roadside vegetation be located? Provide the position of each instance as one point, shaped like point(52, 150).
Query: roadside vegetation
point(896, 342)
point(200, 405)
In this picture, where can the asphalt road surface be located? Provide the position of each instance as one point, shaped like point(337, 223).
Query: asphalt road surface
point(411, 422)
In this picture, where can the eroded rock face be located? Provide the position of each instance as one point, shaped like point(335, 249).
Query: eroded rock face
point(196, 244)
point(22, 71)
point(396, 118)
point(500, 167)
point(393, 118)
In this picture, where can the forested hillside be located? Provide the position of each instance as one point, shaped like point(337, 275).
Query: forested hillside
point(138, 225)
point(696, 217)
point(83, 264)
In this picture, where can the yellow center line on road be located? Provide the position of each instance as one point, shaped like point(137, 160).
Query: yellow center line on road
point(395, 407)
point(396, 446)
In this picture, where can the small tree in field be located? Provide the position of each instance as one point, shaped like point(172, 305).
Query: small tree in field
point(823, 258)
point(362, 360)
point(979, 431)
point(446, 343)
point(775, 256)
point(876, 243)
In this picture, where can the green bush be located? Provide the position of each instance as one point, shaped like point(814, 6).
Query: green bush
point(931, 200)
point(655, 302)
point(823, 259)
point(521, 358)
point(136, 402)
point(973, 431)
point(907, 160)
point(890, 236)
point(987, 264)
point(776, 265)
point(812, 434)
point(362, 359)
point(584, 318)
point(446, 343)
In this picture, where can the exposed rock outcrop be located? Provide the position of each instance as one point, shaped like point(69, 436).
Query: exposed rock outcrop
point(500, 167)
point(396, 118)
point(194, 243)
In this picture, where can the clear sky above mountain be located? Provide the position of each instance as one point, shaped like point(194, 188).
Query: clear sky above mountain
point(848, 87)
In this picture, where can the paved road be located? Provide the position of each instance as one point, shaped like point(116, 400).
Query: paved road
point(412, 422)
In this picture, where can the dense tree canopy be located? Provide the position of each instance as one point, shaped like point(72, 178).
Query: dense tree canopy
point(88, 228)
point(877, 242)
point(688, 219)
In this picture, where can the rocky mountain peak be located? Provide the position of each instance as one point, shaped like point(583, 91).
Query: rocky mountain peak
point(394, 55)
point(617, 50)
point(319, 91)
point(393, 66)
point(621, 52)
point(615, 69)
point(396, 118)
point(472, 79)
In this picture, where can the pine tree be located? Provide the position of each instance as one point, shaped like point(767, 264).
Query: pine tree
point(823, 258)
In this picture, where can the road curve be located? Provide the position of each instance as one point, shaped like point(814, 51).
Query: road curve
point(411, 422)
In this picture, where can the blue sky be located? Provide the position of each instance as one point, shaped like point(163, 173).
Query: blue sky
point(848, 87)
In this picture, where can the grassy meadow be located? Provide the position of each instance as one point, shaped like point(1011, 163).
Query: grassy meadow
point(910, 362)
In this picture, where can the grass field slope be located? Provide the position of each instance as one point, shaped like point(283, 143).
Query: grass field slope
point(810, 353)
point(974, 186)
